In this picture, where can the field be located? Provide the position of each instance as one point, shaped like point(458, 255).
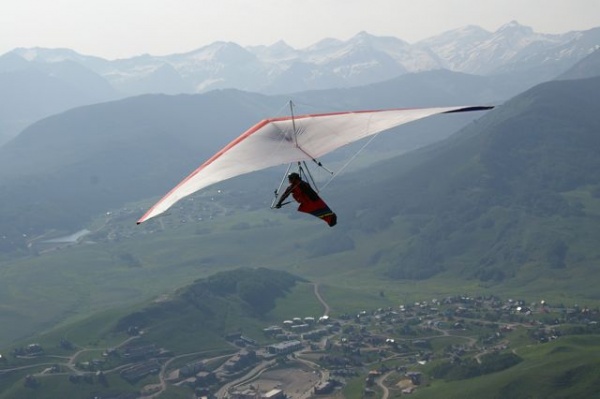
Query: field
point(122, 265)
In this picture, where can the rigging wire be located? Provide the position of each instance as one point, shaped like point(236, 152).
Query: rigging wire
point(305, 170)
point(340, 170)
point(356, 154)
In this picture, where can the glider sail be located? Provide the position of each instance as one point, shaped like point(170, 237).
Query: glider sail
point(279, 141)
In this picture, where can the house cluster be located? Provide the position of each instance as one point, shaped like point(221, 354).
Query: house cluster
point(364, 337)
point(198, 377)
point(301, 329)
point(143, 356)
point(195, 375)
point(283, 348)
point(408, 319)
point(29, 350)
point(451, 311)
point(240, 361)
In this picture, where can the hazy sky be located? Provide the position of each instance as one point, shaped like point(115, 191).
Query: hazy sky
point(124, 28)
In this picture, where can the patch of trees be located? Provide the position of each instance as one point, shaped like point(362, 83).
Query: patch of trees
point(258, 287)
point(574, 376)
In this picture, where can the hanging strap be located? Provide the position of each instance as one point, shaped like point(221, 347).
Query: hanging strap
point(308, 175)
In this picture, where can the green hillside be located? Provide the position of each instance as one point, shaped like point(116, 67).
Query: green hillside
point(195, 319)
point(474, 346)
point(225, 302)
point(562, 369)
point(511, 199)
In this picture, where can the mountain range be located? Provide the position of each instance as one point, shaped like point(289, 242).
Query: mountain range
point(38, 82)
point(363, 59)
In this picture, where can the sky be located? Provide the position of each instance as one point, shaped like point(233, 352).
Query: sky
point(114, 29)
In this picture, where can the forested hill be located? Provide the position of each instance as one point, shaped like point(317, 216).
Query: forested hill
point(520, 187)
point(251, 292)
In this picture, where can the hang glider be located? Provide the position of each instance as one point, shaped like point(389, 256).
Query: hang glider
point(285, 140)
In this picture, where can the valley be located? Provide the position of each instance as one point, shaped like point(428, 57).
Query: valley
point(415, 348)
point(463, 264)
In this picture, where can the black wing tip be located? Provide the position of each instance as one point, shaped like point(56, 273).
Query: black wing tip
point(469, 109)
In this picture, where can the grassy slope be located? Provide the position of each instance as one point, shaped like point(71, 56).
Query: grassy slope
point(73, 283)
point(564, 366)
point(562, 369)
point(200, 326)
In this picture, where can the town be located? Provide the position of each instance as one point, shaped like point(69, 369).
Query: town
point(387, 349)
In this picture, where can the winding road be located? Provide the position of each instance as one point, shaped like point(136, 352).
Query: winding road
point(320, 298)
point(380, 380)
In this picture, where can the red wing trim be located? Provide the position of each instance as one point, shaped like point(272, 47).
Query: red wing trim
point(235, 142)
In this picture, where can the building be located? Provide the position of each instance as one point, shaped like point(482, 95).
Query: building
point(191, 369)
point(415, 377)
point(285, 347)
point(300, 327)
point(240, 361)
point(274, 394)
point(324, 388)
point(245, 394)
point(315, 334)
point(273, 330)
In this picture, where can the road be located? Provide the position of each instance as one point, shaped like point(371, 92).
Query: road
point(153, 391)
point(380, 380)
point(250, 376)
point(157, 389)
point(320, 298)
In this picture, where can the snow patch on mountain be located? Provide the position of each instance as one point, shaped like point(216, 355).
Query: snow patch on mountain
point(362, 59)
